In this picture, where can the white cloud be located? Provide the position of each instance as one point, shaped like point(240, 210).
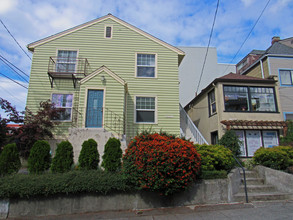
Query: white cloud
point(6, 6)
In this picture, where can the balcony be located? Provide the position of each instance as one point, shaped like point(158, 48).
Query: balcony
point(67, 68)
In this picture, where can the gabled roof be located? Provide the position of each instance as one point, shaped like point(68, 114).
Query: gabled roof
point(100, 70)
point(279, 48)
point(31, 46)
point(232, 77)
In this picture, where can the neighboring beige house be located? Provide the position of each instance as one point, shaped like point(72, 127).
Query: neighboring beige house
point(276, 61)
point(246, 104)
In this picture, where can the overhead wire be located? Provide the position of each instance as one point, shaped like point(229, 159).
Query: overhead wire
point(205, 58)
point(14, 66)
point(13, 69)
point(248, 34)
point(13, 80)
point(15, 40)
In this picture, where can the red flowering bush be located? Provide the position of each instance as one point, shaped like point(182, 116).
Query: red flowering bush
point(159, 162)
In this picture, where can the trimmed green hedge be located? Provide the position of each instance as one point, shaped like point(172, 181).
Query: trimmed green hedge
point(73, 182)
point(213, 174)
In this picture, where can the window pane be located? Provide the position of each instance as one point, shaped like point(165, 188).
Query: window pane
point(66, 61)
point(285, 77)
point(108, 31)
point(289, 116)
point(146, 71)
point(64, 102)
point(262, 99)
point(145, 116)
point(236, 98)
point(145, 103)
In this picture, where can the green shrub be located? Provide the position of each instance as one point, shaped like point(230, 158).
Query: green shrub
point(112, 155)
point(63, 159)
point(161, 163)
point(40, 158)
point(288, 140)
point(213, 174)
point(89, 157)
point(215, 157)
point(230, 140)
point(274, 158)
point(9, 160)
point(72, 182)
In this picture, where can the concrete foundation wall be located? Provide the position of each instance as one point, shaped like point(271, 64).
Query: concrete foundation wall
point(204, 192)
point(276, 178)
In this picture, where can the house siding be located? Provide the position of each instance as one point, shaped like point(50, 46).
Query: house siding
point(117, 54)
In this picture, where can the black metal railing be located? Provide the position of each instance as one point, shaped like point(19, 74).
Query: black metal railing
point(68, 67)
point(244, 177)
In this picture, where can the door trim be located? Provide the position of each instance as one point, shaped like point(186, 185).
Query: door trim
point(85, 104)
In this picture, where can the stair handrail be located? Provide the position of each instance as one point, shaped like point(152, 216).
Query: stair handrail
point(244, 177)
point(194, 130)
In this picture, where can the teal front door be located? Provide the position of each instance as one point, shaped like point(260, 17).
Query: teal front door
point(94, 109)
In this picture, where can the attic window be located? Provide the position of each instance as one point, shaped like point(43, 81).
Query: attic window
point(108, 32)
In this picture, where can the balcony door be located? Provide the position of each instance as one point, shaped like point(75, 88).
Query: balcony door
point(94, 109)
point(66, 61)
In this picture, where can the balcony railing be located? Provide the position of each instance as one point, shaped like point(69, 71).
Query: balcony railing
point(67, 68)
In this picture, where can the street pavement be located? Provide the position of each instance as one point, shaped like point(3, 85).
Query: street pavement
point(282, 210)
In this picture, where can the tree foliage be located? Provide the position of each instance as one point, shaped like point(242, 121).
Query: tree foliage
point(12, 116)
point(230, 140)
point(89, 157)
point(112, 155)
point(288, 140)
point(63, 159)
point(40, 158)
point(37, 126)
point(9, 160)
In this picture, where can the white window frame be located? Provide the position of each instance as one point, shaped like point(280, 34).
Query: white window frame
point(65, 49)
point(155, 110)
point(291, 76)
point(105, 34)
point(71, 112)
point(155, 66)
point(211, 113)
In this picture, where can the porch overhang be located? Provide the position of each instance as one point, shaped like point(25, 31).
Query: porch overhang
point(255, 125)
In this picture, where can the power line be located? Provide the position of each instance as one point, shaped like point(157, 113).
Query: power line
point(15, 40)
point(13, 80)
point(13, 69)
point(14, 65)
point(249, 33)
point(205, 58)
point(5, 90)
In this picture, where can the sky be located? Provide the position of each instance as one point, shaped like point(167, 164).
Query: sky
point(177, 22)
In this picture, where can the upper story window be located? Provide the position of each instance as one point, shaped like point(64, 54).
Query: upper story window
point(146, 65)
point(66, 61)
point(64, 102)
point(286, 77)
point(108, 32)
point(250, 99)
point(212, 103)
point(145, 109)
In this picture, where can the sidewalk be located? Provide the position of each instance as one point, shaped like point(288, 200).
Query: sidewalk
point(255, 210)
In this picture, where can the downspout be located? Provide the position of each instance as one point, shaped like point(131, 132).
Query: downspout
point(125, 112)
point(261, 66)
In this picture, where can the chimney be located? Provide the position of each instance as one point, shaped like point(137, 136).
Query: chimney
point(275, 39)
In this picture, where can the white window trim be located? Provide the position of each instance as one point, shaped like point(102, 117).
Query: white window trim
point(156, 109)
point(156, 66)
point(286, 85)
point(105, 31)
point(64, 93)
point(68, 49)
point(211, 103)
point(85, 104)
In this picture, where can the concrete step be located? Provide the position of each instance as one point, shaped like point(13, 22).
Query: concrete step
point(253, 181)
point(257, 188)
point(264, 196)
point(249, 174)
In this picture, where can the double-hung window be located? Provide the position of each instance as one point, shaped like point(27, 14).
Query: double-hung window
point(145, 109)
point(250, 98)
point(146, 65)
point(286, 77)
point(212, 103)
point(64, 103)
point(66, 61)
